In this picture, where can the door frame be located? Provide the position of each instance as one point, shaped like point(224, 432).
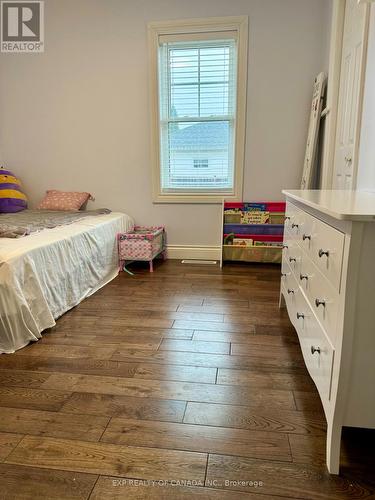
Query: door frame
point(333, 85)
point(334, 74)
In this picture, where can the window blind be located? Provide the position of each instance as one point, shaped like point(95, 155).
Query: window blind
point(197, 105)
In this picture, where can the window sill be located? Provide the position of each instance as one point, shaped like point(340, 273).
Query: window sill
point(214, 199)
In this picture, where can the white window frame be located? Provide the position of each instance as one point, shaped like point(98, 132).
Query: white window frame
point(187, 27)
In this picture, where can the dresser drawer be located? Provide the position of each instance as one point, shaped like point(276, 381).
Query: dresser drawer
point(294, 219)
point(292, 253)
point(322, 296)
point(290, 290)
point(317, 349)
point(325, 246)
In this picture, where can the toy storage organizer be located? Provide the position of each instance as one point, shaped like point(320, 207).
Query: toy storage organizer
point(253, 231)
point(142, 243)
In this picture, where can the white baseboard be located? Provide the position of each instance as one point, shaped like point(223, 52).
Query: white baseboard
point(193, 252)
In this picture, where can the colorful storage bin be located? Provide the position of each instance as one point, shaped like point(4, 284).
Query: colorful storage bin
point(144, 243)
point(253, 231)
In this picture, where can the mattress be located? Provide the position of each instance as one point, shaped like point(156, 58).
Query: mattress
point(45, 274)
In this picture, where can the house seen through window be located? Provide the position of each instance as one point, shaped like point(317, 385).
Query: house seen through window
point(200, 163)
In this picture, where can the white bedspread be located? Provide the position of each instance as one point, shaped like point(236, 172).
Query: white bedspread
point(46, 274)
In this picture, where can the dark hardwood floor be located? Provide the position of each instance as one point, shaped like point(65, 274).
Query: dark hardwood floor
point(185, 383)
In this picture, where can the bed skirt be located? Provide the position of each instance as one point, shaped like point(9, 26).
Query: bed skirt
point(45, 274)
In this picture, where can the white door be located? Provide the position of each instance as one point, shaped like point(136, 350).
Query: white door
point(350, 94)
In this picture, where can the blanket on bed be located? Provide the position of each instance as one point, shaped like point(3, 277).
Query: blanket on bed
point(30, 221)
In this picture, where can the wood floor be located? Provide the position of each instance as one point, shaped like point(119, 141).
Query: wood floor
point(185, 383)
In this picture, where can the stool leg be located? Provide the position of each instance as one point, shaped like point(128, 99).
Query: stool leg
point(151, 267)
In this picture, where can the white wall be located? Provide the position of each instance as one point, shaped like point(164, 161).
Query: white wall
point(327, 26)
point(77, 116)
point(366, 166)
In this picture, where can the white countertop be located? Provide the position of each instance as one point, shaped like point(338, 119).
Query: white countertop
point(343, 205)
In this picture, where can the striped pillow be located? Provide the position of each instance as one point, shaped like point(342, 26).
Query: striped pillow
point(12, 198)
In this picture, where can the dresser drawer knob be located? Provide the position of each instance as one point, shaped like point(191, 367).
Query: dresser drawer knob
point(320, 302)
point(323, 252)
point(284, 275)
point(287, 218)
point(306, 237)
point(285, 246)
point(290, 291)
point(294, 225)
point(300, 316)
point(315, 349)
point(292, 259)
point(303, 277)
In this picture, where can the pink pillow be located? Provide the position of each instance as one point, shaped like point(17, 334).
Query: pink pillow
point(60, 200)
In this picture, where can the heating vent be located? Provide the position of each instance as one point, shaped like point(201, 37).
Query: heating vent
point(204, 262)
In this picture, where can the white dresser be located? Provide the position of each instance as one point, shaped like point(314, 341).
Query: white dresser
point(328, 287)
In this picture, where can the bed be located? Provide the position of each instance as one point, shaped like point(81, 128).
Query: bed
point(48, 272)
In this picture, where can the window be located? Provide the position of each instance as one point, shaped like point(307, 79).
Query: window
point(200, 163)
point(199, 90)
